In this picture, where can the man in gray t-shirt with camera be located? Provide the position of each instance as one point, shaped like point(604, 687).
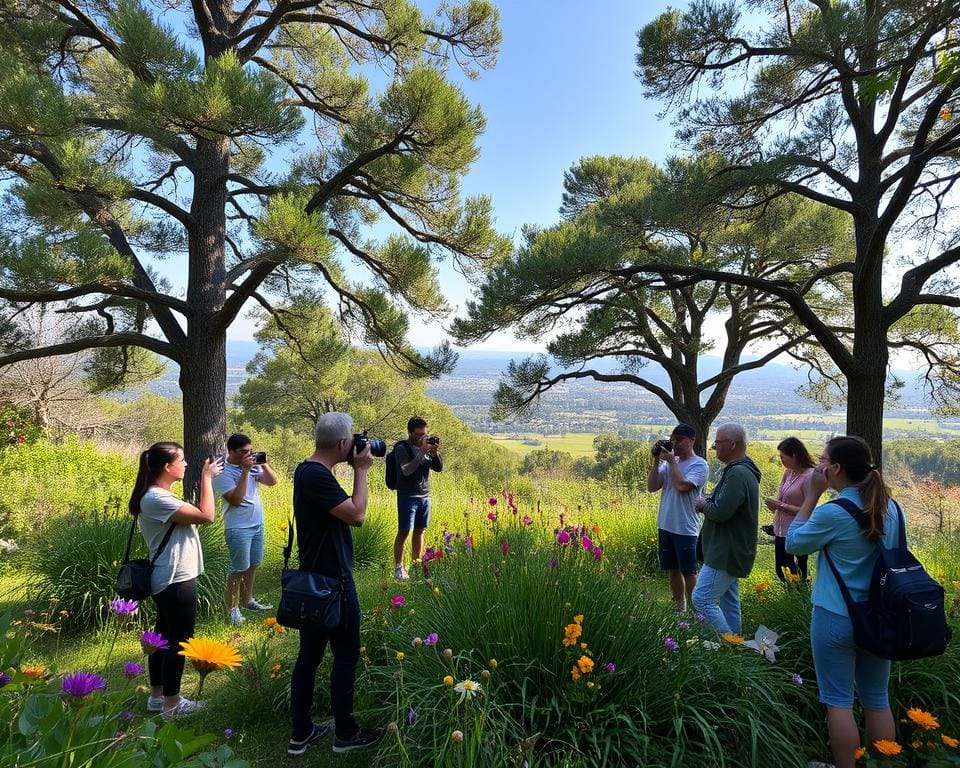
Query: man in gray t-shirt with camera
point(415, 458)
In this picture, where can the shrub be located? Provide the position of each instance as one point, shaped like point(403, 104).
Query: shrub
point(74, 561)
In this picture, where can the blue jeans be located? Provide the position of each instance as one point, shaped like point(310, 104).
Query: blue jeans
point(345, 644)
point(412, 512)
point(841, 666)
point(717, 597)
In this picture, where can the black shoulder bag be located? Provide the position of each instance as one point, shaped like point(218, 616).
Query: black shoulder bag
point(310, 600)
point(133, 577)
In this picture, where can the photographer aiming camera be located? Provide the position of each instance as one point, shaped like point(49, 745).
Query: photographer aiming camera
point(414, 458)
point(243, 472)
point(679, 474)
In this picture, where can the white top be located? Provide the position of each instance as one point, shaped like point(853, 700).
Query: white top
point(250, 512)
point(677, 513)
point(182, 558)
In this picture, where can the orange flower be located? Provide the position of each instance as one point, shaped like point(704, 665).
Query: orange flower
point(575, 673)
point(887, 747)
point(34, 672)
point(924, 719)
point(949, 741)
point(578, 619)
point(859, 752)
point(731, 638)
point(585, 663)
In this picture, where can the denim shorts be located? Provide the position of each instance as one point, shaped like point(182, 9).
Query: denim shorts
point(840, 665)
point(677, 552)
point(245, 546)
point(412, 512)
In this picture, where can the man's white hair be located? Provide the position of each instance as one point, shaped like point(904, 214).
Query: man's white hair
point(733, 431)
point(332, 427)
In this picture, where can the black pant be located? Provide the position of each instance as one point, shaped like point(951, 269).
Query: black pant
point(796, 564)
point(176, 620)
point(345, 644)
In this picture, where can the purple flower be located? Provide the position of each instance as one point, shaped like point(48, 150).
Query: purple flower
point(411, 716)
point(492, 517)
point(505, 547)
point(4, 679)
point(132, 669)
point(586, 543)
point(700, 618)
point(670, 644)
point(81, 684)
point(563, 537)
point(611, 667)
point(492, 501)
point(553, 562)
point(468, 542)
point(796, 679)
point(684, 625)
point(597, 553)
point(431, 639)
point(153, 641)
point(527, 520)
point(227, 733)
point(397, 600)
point(127, 715)
point(123, 607)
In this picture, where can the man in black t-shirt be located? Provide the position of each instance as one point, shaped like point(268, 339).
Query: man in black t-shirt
point(415, 457)
point(324, 513)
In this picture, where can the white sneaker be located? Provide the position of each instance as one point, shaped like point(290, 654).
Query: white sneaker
point(399, 572)
point(183, 707)
point(236, 617)
point(256, 605)
point(154, 703)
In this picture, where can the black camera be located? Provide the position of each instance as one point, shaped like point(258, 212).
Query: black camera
point(432, 440)
point(662, 445)
point(378, 448)
point(260, 457)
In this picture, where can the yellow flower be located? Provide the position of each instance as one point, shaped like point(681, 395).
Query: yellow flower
point(949, 741)
point(34, 672)
point(209, 655)
point(923, 719)
point(887, 747)
point(575, 673)
point(859, 752)
point(399, 655)
point(492, 663)
point(731, 638)
point(275, 671)
point(762, 587)
point(270, 621)
point(589, 685)
point(585, 663)
point(578, 619)
point(448, 680)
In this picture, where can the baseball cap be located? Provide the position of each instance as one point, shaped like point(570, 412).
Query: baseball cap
point(684, 430)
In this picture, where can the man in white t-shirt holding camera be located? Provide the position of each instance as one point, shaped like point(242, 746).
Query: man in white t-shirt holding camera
point(679, 474)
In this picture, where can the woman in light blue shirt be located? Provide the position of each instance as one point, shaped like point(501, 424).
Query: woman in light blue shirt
point(847, 467)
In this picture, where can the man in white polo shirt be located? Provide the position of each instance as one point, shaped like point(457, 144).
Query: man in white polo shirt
point(243, 521)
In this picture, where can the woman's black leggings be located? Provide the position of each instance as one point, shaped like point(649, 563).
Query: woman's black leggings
point(796, 564)
point(176, 620)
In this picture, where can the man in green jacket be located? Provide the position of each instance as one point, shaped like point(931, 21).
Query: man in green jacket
point(730, 517)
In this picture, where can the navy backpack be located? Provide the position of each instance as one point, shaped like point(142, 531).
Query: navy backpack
point(903, 616)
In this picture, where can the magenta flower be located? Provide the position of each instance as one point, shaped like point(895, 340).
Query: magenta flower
point(123, 607)
point(492, 501)
point(611, 667)
point(563, 537)
point(527, 520)
point(492, 516)
point(82, 684)
point(431, 639)
point(796, 679)
point(4, 679)
point(505, 547)
point(670, 644)
point(132, 669)
point(586, 543)
point(597, 553)
point(553, 562)
point(398, 600)
point(153, 641)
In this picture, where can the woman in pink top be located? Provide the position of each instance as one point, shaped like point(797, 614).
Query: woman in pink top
point(798, 466)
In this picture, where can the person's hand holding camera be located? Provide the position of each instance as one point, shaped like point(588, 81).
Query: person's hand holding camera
point(431, 445)
point(362, 459)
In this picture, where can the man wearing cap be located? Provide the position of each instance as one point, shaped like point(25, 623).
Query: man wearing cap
point(679, 474)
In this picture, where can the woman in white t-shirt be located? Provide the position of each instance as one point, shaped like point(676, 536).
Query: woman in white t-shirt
point(174, 581)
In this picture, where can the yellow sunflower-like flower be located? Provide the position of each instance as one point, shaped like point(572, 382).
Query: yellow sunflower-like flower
point(923, 719)
point(887, 747)
point(731, 638)
point(949, 741)
point(448, 680)
point(210, 655)
point(34, 672)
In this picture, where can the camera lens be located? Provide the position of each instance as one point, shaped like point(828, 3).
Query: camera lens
point(378, 448)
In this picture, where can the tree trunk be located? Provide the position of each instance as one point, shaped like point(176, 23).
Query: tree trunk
point(203, 382)
point(865, 397)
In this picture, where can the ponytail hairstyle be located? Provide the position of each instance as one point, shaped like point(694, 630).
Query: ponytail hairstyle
point(795, 449)
point(152, 462)
point(853, 455)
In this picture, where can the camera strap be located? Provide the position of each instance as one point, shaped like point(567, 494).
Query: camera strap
point(163, 542)
point(291, 524)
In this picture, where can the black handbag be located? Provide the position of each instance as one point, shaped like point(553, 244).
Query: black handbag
point(133, 576)
point(310, 600)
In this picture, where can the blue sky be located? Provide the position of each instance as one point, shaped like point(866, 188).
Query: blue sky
point(563, 88)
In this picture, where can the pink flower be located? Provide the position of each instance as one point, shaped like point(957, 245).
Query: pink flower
point(398, 600)
point(492, 501)
point(563, 537)
point(597, 553)
point(586, 543)
point(527, 520)
point(505, 547)
point(432, 639)
point(492, 516)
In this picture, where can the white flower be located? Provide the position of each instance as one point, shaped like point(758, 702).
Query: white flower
point(8, 545)
point(468, 689)
point(764, 642)
point(709, 645)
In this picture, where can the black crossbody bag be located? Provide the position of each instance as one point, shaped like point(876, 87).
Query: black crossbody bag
point(307, 599)
point(133, 576)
